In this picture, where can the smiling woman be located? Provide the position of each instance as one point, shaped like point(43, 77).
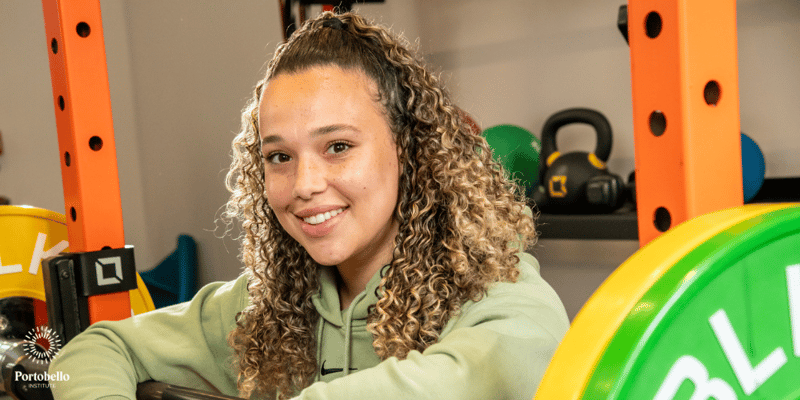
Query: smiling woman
point(383, 247)
point(331, 172)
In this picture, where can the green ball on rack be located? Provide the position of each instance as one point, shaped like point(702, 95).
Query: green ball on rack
point(517, 150)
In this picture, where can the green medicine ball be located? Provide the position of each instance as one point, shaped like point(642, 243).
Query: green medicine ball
point(517, 150)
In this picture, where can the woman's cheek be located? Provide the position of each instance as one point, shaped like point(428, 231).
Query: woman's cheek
point(348, 174)
point(274, 187)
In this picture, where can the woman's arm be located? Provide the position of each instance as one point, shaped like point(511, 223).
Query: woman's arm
point(184, 344)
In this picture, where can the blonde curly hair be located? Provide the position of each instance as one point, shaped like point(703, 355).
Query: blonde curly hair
point(461, 221)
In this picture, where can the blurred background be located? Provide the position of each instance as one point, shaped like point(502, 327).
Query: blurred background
point(181, 71)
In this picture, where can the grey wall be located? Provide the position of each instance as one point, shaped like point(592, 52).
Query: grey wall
point(181, 71)
point(194, 65)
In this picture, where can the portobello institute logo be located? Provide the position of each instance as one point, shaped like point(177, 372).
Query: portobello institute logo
point(42, 344)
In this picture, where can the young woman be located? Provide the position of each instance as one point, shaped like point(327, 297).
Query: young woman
point(383, 249)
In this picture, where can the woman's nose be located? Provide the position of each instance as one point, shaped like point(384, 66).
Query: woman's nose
point(310, 178)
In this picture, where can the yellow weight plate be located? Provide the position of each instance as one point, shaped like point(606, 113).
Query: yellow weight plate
point(29, 234)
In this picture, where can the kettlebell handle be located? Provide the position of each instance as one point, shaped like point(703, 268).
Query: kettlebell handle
point(577, 115)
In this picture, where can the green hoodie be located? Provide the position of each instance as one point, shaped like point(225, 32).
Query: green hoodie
point(496, 348)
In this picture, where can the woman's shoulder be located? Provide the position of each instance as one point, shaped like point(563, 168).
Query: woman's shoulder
point(234, 288)
point(530, 301)
point(529, 283)
point(237, 289)
point(225, 297)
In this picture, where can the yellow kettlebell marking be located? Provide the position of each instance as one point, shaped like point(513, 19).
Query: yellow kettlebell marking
point(552, 158)
point(561, 180)
point(596, 161)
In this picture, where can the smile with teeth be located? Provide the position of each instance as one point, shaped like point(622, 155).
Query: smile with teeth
point(322, 217)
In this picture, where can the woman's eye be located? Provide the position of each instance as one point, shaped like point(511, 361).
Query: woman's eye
point(277, 158)
point(338, 148)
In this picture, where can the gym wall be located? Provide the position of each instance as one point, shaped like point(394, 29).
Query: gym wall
point(181, 71)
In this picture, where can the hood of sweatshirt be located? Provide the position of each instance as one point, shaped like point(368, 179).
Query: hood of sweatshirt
point(327, 302)
point(343, 343)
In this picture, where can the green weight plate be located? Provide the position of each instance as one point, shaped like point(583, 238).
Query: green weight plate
point(723, 321)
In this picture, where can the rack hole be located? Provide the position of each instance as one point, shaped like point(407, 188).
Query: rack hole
point(96, 143)
point(67, 160)
point(73, 214)
point(652, 24)
point(658, 123)
point(61, 103)
point(54, 45)
point(663, 220)
point(106, 248)
point(83, 29)
point(711, 93)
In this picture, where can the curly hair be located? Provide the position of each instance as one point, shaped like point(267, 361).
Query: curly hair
point(461, 220)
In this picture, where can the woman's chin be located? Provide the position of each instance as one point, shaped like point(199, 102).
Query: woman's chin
point(326, 258)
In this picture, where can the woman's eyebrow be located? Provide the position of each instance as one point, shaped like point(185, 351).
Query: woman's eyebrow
point(270, 139)
point(316, 132)
point(333, 128)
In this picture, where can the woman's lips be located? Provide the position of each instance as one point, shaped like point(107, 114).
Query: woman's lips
point(321, 229)
point(322, 217)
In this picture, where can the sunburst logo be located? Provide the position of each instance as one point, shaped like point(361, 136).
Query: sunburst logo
point(42, 344)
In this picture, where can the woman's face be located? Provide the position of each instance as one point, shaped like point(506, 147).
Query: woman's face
point(331, 168)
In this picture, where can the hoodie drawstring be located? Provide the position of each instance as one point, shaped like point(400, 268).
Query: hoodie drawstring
point(348, 328)
point(320, 323)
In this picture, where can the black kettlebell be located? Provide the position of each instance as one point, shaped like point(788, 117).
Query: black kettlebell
point(577, 182)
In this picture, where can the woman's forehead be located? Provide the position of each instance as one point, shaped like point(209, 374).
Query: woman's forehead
point(291, 88)
point(315, 97)
point(327, 69)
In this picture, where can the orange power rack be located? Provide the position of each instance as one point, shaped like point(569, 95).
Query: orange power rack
point(79, 76)
point(684, 73)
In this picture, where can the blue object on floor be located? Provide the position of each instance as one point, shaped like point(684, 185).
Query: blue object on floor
point(174, 280)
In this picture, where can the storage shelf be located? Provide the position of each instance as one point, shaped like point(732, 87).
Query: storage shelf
point(619, 225)
point(622, 224)
point(778, 190)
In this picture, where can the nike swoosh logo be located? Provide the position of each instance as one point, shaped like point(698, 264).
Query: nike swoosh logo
point(325, 371)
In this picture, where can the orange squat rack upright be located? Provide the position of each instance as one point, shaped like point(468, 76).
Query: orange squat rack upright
point(79, 76)
point(684, 73)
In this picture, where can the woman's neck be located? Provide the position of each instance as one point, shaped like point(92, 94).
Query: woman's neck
point(356, 271)
point(353, 280)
